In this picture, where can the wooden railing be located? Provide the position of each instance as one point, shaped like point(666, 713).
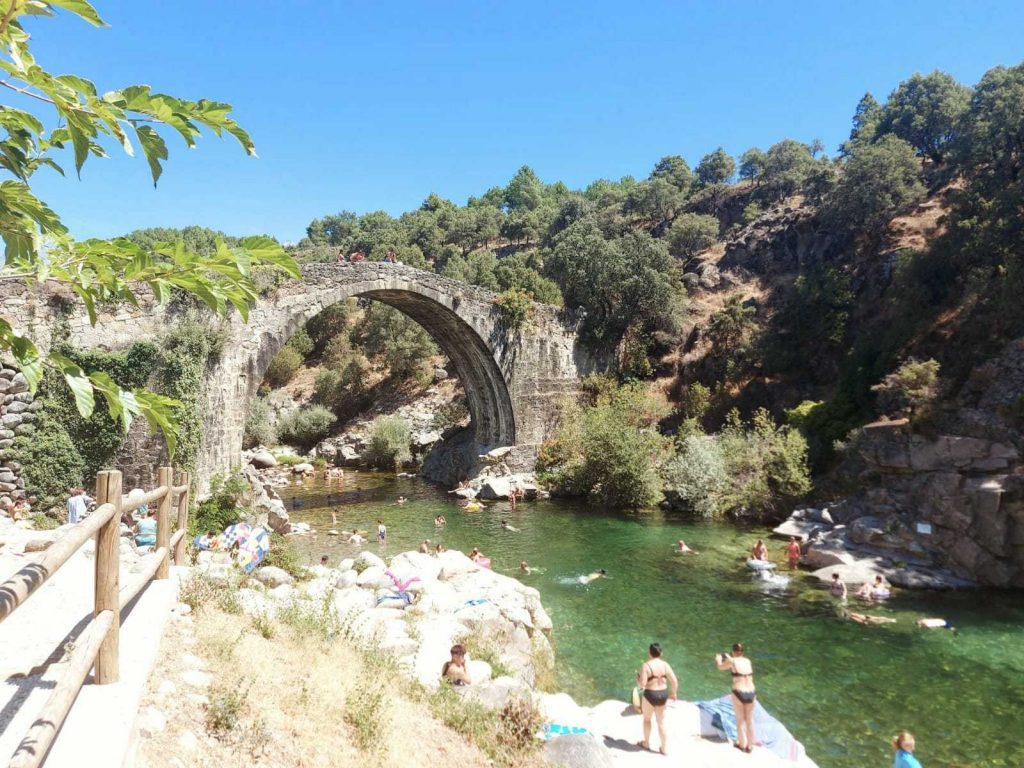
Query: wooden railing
point(98, 644)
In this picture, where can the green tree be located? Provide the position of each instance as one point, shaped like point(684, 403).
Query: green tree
point(716, 167)
point(787, 166)
point(925, 111)
point(630, 280)
point(283, 367)
point(730, 327)
point(752, 164)
point(910, 389)
point(396, 340)
point(524, 190)
point(656, 200)
point(878, 181)
point(478, 268)
point(866, 118)
point(336, 229)
point(675, 170)
point(307, 426)
point(39, 248)
point(692, 233)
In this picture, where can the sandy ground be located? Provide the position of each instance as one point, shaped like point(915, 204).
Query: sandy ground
point(296, 691)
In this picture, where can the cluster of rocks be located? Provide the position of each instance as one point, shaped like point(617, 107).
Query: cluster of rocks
point(415, 608)
point(17, 414)
point(786, 238)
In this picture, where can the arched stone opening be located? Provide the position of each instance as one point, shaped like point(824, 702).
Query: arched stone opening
point(492, 416)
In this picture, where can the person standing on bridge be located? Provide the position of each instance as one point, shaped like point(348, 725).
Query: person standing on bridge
point(78, 503)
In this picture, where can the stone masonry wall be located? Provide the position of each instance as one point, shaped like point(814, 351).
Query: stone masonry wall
point(513, 381)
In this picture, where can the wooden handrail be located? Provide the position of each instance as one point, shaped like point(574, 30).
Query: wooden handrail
point(131, 503)
point(129, 592)
point(32, 576)
point(178, 536)
point(37, 742)
point(97, 645)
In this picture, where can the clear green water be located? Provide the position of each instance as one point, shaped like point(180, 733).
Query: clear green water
point(842, 688)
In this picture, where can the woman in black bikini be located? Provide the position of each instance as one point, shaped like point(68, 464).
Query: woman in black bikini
point(653, 679)
point(743, 694)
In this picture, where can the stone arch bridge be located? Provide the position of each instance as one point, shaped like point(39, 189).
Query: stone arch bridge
point(512, 379)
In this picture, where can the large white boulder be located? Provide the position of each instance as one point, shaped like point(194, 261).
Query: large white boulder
point(346, 579)
point(479, 670)
point(352, 601)
point(272, 576)
point(304, 468)
point(496, 488)
point(367, 559)
point(373, 577)
point(453, 564)
point(263, 460)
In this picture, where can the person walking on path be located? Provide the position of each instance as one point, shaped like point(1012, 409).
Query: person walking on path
point(653, 679)
point(78, 503)
point(743, 695)
point(903, 744)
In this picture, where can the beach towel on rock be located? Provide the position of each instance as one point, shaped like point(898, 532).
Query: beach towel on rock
point(770, 732)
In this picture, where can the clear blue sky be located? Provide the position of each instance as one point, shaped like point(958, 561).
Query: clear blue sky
point(373, 105)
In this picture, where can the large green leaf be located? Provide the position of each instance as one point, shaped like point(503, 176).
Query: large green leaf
point(81, 9)
point(77, 381)
point(154, 148)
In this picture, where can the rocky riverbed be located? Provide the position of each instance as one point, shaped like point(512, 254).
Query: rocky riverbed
point(415, 606)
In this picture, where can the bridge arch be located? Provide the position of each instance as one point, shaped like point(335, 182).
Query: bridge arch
point(457, 324)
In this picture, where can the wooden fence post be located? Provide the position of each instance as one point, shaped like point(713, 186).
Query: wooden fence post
point(163, 520)
point(179, 549)
point(108, 572)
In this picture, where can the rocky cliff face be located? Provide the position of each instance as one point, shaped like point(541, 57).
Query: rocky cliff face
point(955, 497)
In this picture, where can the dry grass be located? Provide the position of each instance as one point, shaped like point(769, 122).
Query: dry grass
point(295, 699)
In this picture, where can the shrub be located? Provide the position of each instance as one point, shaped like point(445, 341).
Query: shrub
point(450, 415)
point(388, 442)
point(516, 308)
point(285, 555)
point(692, 233)
point(696, 477)
point(910, 389)
point(331, 323)
point(306, 426)
point(259, 430)
point(520, 720)
point(51, 464)
point(609, 450)
point(364, 714)
point(766, 464)
point(283, 367)
point(301, 343)
point(221, 509)
point(223, 709)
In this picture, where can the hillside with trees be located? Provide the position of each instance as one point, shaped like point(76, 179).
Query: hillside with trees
point(761, 301)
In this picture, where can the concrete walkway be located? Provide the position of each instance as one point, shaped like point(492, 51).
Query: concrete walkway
point(33, 643)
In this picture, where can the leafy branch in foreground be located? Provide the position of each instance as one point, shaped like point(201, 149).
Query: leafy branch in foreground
point(38, 247)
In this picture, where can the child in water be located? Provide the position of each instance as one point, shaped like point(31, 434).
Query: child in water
point(593, 576)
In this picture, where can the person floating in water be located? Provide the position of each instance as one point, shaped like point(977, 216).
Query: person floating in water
point(593, 576)
point(683, 549)
point(507, 527)
point(793, 553)
point(323, 560)
point(760, 551)
point(439, 521)
point(402, 500)
point(382, 531)
point(524, 568)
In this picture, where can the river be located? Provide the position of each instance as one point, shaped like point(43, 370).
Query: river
point(842, 688)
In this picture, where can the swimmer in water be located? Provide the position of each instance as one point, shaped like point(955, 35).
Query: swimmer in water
point(323, 560)
point(402, 499)
point(682, 549)
point(439, 521)
point(425, 546)
point(593, 576)
point(334, 517)
point(837, 588)
point(524, 568)
point(507, 527)
point(382, 531)
point(439, 549)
